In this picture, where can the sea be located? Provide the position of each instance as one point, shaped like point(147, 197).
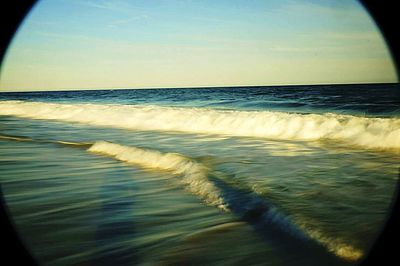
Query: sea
point(273, 175)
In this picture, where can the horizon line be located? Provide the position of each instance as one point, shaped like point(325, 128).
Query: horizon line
point(201, 87)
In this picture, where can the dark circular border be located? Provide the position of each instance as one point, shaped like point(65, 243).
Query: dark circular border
point(385, 249)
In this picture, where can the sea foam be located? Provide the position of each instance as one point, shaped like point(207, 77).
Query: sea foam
point(193, 175)
point(194, 178)
point(378, 133)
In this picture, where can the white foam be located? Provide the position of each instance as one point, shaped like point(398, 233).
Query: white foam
point(194, 175)
point(15, 138)
point(334, 245)
point(310, 229)
point(379, 133)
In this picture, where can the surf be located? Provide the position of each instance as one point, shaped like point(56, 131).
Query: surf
point(363, 132)
point(250, 207)
point(193, 175)
point(215, 190)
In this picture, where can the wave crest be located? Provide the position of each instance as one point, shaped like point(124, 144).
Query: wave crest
point(378, 133)
point(194, 175)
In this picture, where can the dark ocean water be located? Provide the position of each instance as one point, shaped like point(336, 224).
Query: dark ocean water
point(368, 99)
point(289, 175)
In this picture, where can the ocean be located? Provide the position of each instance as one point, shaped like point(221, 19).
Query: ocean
point(277, 175)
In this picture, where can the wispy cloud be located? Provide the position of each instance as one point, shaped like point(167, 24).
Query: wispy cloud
point(352, 36)
point(126, 10)
point(109, 5)
point(119, 22)
point(116, 6)
point(130, 19)
point(332, 8)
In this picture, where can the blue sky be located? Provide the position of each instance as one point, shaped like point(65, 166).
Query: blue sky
point(71, 44)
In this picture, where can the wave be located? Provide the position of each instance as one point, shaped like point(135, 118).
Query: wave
point(194, 175)
point(253, 205)
point(227, 196)
point(377, 133)
point(334, 245)
point(304, 230)
point(16, 138)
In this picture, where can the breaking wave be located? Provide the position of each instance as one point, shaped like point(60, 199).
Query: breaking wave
point(258, 209)
point(378, 133)
point(332, 244)
point(194, 175)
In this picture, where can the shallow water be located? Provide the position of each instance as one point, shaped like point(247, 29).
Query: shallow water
point(151, 186)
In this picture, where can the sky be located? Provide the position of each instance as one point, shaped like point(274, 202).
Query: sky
point(83, 44)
